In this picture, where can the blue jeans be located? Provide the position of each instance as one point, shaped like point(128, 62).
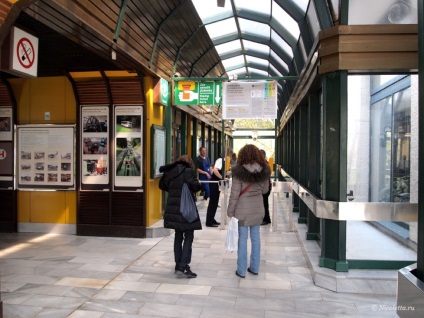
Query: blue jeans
point(255, 254)
point(205, 187)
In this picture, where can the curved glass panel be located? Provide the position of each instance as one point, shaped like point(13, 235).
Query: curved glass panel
point(280, 61)
point(253, 59)
point(234, 61)
point(241, 70)
point(228, 47)
point(301, 4)
point(275, 38)
point(285, 20)
point(254, 46)
point(274, 70)
point(222, 28)
point(256, 28)
point(263, 6)
point(252, 70)
point(313, 20)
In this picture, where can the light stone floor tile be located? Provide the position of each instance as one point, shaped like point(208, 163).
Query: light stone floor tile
point(55, 313)
point(165, 310)
point(86, 314)
point(82, 282)
point(58, 276)
point(184, 289)
point(132, 286)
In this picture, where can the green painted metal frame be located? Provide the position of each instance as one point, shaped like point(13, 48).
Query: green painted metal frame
point(377, 264)
point(313, 166)
point(119, 22)
point(333, 233)
point(420, 239)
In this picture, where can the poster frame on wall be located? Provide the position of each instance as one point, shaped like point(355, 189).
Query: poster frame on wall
point(158, 150)
point(128, 159)
point(94, 150)
point(45, 157)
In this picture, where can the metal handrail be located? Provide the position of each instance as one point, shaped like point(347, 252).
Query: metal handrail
point(357, 211)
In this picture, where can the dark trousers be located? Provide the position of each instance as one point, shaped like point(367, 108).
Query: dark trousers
point(213, 203)
point(266, 206)
point(182, 247)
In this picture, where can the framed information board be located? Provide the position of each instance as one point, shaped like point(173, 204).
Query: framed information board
point(45, 157)
point(158, 148)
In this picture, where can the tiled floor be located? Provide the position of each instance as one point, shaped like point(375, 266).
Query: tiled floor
point(46, 275)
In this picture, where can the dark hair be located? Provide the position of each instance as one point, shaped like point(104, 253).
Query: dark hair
point(187, 158)
point(250, 154)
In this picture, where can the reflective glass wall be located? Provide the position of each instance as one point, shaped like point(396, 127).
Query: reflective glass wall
point(382, 159)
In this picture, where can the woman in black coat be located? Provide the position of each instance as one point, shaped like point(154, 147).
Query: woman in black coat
point(172, 181)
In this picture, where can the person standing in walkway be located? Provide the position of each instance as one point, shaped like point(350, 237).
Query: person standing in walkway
point(203, 165)
point(267, 218)
point(217, 172)
point(251, 177)
point(173, 178)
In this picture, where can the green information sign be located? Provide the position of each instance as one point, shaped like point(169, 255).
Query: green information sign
point(197, 93)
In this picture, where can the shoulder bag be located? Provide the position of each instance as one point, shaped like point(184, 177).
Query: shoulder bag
point(188, 208)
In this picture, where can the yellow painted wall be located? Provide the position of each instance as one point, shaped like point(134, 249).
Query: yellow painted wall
point(34, 97)
point(154, 115)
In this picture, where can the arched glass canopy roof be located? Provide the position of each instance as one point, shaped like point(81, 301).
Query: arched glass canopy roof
point(255, 38)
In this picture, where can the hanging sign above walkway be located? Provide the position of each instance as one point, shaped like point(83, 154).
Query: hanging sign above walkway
point(249, 100)
point(197, 93)
point(24, 52)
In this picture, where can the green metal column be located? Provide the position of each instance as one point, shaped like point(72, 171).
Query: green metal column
point(194, 149)
point(183, 133)
point(313, 162)
point(296, 158)
point(209, 144)
point(202, 135)
point(303, 159)
point(420, 241)
point(333, 244)
point(168, 127)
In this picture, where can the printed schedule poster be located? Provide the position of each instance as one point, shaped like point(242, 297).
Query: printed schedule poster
point(249, 100)
point(6, 123)
point(94, 144)
point(128, 146)
point(45, 157)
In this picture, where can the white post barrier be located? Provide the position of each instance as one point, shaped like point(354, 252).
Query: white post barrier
point(224, 186)
point(283, 188)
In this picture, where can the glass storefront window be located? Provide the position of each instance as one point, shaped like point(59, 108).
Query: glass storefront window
point(383, 12)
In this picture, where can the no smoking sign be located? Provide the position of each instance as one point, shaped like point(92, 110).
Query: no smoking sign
point(24, 52)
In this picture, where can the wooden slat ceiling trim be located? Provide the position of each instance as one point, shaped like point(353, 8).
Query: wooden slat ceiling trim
point(128, 91)
point(173, 25)
point(5, 98)
point(92, 92)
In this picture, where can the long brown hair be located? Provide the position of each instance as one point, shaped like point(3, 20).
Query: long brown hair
point(186, 158)
point(250, 154)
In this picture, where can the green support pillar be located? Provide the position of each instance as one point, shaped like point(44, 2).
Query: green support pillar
point(314, 166)
point(333, 233)
point(183, 133)
point(194, 149)
point(296, 158)
point(420, 241)
point(168, 127)
point(303, 159)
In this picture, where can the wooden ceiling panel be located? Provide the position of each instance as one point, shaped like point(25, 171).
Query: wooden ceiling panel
point(79, 36)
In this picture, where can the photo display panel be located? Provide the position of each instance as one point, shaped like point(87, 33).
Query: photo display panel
point(95, 145)
point(128, 156)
